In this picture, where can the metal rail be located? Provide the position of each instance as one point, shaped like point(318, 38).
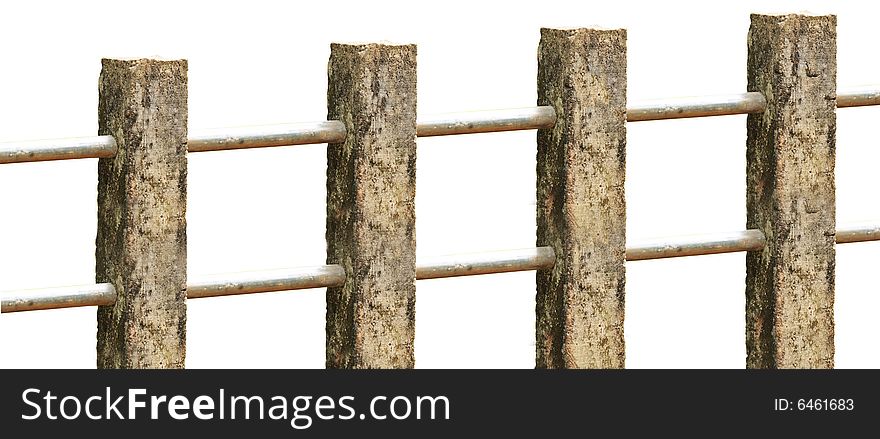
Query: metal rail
point(693, 245)
point(58, 149)
point(864, 233)
point(859, 96)
point(441, 125)
point(222, 139)
point(266, 281)
point(59, 297)
point(433, 268)
point(487, 121)
point(698, 106)
point(486, 263)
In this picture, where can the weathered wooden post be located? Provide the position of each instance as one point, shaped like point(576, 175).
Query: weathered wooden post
point(581, 209)
point(141, 242)
point(371, 206)
point(790, 193)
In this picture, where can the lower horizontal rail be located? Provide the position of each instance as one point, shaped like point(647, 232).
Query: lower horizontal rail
point(432, 268)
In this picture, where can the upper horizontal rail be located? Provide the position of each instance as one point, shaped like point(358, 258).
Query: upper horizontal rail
point(432, 268)
point(472, 122)
point(486, 263)
point(859, 96)
point(708, 244)
point(58, 297)
point(266, 281)
point(58, 149)
point(697, 106)
point(861, 233)
point(222, 139)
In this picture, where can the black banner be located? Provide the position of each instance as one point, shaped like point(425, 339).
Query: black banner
point(292, 403)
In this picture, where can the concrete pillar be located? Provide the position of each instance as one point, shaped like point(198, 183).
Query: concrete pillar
point(581, 209)
point(371, 206)
point(141, 242)
point(790, 192)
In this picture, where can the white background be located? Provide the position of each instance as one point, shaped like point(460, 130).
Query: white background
point(262, 62)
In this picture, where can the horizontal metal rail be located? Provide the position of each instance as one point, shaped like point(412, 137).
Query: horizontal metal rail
point(58, 149)
point(859, 96)
point(222, 139)
point(698, 106)
point(693, 245)
point(433, 268)
point(863, 233)
point(266, 281)
point(58, 297)
point(472, 122)
point(486, 263)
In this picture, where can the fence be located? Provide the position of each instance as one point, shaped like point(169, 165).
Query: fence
point(141, 284)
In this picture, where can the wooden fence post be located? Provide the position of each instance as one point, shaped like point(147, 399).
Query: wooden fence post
point(790, 192)
point(581, 209)
point(141, 242)
point(371, 206)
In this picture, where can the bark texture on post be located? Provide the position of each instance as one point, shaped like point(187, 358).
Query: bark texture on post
point(141, 242)
point(371, 181)
point(790, 192)
point(581, 212)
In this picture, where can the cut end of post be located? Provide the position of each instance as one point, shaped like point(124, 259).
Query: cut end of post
point(781, 19)
point(134, 61)
point(575, 31)
point(362, 46)
point(782, 16)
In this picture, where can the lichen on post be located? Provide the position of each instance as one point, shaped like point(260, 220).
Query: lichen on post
point(791, 192)
point(371, 206)
point(581, 209)
point(141, 239)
